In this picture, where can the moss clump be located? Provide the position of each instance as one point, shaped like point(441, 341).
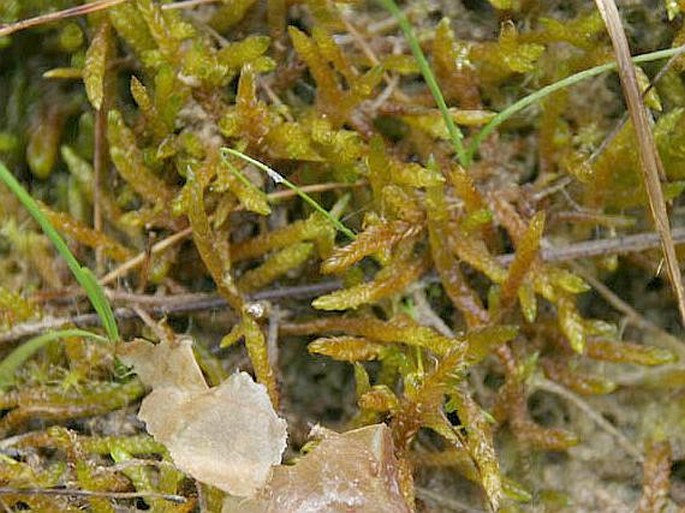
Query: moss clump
point(242, 148)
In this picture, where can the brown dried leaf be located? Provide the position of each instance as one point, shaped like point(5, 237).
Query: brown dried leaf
point(355, 471)
point(164, 365)
point(228, 436)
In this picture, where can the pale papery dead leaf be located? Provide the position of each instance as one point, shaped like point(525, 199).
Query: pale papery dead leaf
point(169, 363)
point(229, 436)
point(355, 471)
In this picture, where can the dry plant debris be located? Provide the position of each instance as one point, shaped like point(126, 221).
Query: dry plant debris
point(424, 226)
point(228, 436)
point(353, 471)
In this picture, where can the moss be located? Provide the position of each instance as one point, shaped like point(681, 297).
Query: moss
point(171, 123)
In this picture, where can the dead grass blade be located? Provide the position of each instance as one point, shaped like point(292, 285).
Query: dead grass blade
point(79, 10)
point(650, 162)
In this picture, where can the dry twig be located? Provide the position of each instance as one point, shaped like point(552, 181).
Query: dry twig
point(187, 4)
point(71, 492)
point(79, 10)
point(161, 306)
point(187, 303)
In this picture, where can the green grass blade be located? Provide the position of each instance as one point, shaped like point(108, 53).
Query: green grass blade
point(547, 90)
point(431, 82)
point(278, 178)
point(83, 275)
point(9, 366)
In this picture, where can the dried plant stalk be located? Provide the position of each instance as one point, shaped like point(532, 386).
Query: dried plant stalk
point(78, 10)
point(650, 162)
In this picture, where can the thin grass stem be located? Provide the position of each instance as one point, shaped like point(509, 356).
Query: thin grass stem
point(455, 134)
point(278, 178)
point(11, 363)
point(556, 86)
point(83, 275)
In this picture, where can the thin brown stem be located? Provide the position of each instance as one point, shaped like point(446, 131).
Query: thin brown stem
point(602, 247)
point(162, 306)
point(632, 316)
point(149, 322)
point(79, 10)
point(188, 303)
point(368, 52)
point(71, 492)
point(99, 165)
point(622, 440)
point(187, 4)
point(624, 119)
point(139, 259)
point(587, 249)
point(375, 28)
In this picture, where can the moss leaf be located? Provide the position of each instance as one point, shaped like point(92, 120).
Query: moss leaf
point(95, 67)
